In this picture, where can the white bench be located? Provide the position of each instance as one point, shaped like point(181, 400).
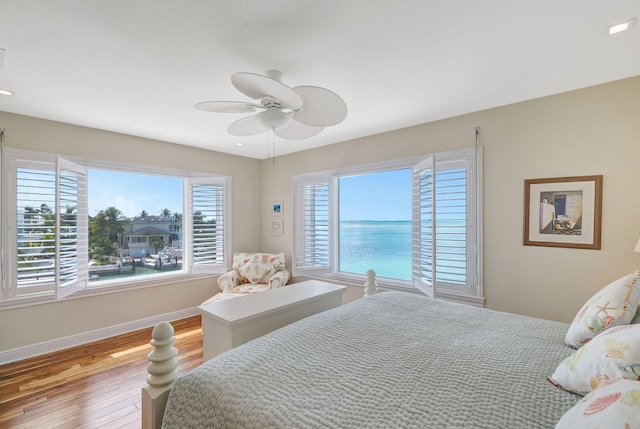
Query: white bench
point(231, 322)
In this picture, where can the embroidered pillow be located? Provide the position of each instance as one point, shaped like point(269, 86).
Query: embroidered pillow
point(256, 272)
point(614, 304)
point(615, 404)
point(611, 354)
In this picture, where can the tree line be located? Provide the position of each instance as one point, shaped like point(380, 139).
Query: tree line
point(107, 225)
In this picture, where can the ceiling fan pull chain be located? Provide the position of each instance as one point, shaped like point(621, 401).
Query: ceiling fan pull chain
point(272, 133)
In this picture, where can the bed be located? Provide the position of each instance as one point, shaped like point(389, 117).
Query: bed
point(388, 360)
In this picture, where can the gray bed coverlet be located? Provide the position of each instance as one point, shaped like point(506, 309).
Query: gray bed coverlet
point(391, 360)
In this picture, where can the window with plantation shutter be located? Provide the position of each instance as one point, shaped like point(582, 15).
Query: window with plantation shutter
point(50, 242)
point(443, 235)
point(445, 238)
point(207, 207)
point(48, 254)
point(312, 226)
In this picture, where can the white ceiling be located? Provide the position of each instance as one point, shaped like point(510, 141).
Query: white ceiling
point(139, 66)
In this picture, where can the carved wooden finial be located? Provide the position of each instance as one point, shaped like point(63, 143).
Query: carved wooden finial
point(162, 359)
point(370, 286)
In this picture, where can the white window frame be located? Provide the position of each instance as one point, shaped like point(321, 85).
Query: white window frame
point(470, 293)
point(9, 297)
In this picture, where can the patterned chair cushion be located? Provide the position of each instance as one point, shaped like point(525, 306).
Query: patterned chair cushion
point(254, 272)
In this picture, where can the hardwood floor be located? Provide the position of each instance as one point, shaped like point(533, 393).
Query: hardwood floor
point(97, 385)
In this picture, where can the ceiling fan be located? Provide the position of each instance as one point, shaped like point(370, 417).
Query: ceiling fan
point(292, 113)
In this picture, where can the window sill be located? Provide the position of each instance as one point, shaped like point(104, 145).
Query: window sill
point(106, 288)
point(399, 285)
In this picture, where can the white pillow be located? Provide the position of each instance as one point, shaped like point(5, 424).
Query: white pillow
point(614, 304)
point(615, 404)
point(611, 354)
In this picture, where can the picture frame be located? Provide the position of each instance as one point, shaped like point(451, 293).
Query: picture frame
point(277, 227)
point(278, 209)
point(563, 212)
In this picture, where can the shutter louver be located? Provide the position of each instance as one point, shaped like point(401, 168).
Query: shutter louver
point(207, 208)
point(35, 229)
point(71, 224)
point(207, 224)
point(423, 227)
point(451, 226)
point(312, 228)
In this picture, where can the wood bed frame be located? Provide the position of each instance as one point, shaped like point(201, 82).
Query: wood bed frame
point(163, 364)
point(162, 369)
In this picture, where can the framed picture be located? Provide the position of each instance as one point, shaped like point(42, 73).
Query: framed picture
point(277, 209)
point(563, 212)
point(277, 227)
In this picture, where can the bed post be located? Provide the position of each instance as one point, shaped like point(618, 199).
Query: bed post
point(162, 373)
point(370, 286)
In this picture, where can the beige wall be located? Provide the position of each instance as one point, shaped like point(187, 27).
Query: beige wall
point(34, 324)
point(590, 131)
point(586, 132)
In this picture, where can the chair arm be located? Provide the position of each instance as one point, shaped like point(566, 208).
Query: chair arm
point(279, 279)
point(228, 281)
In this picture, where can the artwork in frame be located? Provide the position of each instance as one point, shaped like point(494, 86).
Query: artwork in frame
point(563, 212)
point(277, 227)
point(278, 208)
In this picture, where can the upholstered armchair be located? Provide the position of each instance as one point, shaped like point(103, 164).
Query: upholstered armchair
point(254, 272)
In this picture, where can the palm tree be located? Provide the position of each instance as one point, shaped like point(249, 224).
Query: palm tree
point(104, 228)
point(115, 222)
point(144, 214)
point(165, 212)
point(157, 242)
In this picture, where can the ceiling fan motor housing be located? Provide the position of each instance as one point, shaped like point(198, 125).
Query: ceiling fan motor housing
point(274, 118)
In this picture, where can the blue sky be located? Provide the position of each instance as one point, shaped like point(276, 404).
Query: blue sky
point(132, 193)
point(378, 196)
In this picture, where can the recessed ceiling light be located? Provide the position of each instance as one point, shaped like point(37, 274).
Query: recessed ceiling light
point(239, 144)
point(621, 26)
point(6, 92)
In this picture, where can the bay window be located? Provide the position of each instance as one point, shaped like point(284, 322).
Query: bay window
point(53, 247)
point(438, 233)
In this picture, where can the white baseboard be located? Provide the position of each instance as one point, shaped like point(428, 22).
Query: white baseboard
point(37, 349)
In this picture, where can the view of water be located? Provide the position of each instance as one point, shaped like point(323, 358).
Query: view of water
point(139, 271)
point(384, 246)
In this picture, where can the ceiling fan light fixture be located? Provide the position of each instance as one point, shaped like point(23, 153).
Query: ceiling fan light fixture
point(274, 118)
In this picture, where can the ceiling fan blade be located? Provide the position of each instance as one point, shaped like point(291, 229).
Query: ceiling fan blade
point(297, 131)
point(247, 127)
point(227, 106)
point(258, 86)
point(321, 107)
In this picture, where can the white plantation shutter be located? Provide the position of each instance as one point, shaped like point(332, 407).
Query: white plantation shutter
point(452, 225)
point(444, 227)
point(71, 226)
point(312, 225)
point(32, 266)
point(207, 208)
point(423, 230)
point(48, 253)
